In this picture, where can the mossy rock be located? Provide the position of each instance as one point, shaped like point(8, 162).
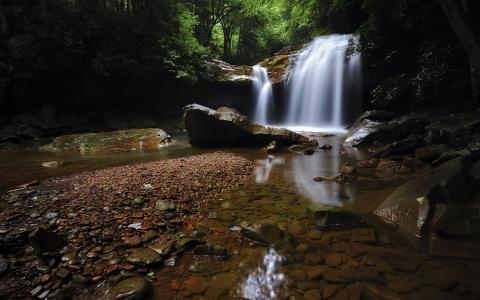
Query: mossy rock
point(109, 142)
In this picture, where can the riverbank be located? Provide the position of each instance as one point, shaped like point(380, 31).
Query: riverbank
point(112, 223)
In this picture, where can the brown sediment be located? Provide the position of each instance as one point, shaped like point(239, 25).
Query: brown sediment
point(104, 214)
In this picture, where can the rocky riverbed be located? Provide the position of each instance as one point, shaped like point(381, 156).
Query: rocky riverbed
point(108, 225)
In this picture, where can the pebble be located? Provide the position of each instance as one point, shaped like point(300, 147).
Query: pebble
point(333, 260)
point(315, 271)
point(313, 294)
point(51, 215)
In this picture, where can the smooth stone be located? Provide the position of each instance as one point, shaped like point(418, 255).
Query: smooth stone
point(135, 288)
point(79, 280)
point(196, 285)
point(314, 258)
point(313, 294)
point(163, 205)
point(315, 234)
point(298, 275)
point(329, 290)
point(333, 260)
point(143, 257)
point(296, 227)
point(219, 285)
point(315, 271)
point(302, 248)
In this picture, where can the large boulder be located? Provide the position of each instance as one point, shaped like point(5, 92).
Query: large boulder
point(366, 131)
point(109, 142)
point(411, 206)
point(226, 127)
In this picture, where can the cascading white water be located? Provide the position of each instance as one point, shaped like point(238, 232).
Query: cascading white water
point(262, 89)
point(324, 85)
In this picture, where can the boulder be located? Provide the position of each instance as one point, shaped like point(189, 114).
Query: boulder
point(366, 131)
point(411, 205)
point(135, 288)
point(376, 115)
point(454, 129)
point(109, 142)
point(431, 152)
point(409, 144)
point(226, 127)
point(456, 221)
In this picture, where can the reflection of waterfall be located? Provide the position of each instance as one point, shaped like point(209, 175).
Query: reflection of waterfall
point(265, 166)
point(326, 164)
point(322, 81)
point(265, 281)
point(262, 89)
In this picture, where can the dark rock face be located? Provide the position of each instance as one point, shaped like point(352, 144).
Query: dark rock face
point(225, 127)
point(411, 206)
point(46, 241)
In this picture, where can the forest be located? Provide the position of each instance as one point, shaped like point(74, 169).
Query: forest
point(240, 149)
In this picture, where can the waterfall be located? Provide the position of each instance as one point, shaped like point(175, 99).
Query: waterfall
point(262, 89)
point(324, 85)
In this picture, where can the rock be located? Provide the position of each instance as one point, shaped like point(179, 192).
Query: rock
point(52, 164)
point(298, 275)
point(212, 250)
point(376, 115)
point(226, 127)
point(314, 258)
point(219, 285)
point(273, 147)
point(296, 227)
point(3, 265)
point(326, 147)
point(365, 132)
point(196, 285)
point(315, 234)
point(135, 288)
point(315, 271)
point(443, 279)
point(263, 233)
point(313, 294)
point(79, 280)
point(333, 260)
point(342, 275)
point(454, 130)
point(132, 241)
point(329, 290)
point(407, 145)
point(163, 205)
point(216, 70)
point(46, 241)
point(467, 249)
point(410, 206)
point(402, 284)
point(460, 222)
point(143, 257)
point(431, 152)
point(306, 149)
point(328, 219)
point(109, 142)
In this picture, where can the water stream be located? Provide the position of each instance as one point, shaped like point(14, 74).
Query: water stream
point(262, 89)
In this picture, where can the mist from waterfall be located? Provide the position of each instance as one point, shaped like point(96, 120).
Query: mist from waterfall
point(262, 89)
point(324, 87)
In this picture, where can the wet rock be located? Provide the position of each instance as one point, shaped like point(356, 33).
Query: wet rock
point(328, 219)
point(445, 278)
point(263, 233)
point(430, 153)
point(46, 241)
point(135, 288)
point(365, 132)
point(410, 205)
point(296, 227)
point(460, 222)
point(226, 127)
point(457, 248)
point(143, 257)
point(326, 147)
point(213, 250)
point(63, 273)
point(219, 285)
point(315, 234)
point(407, 145)
point(272, 147)
point(216, 70)
point(298, 275)
point(315, 271)
point(109, 142)
point(329, 290)
point(3, 265)
point(306, 149)
point(454, 131)
point(52, 164)
point(313, 294)
point(132, 241)
point(376, 115)
point(162, 248)
point(333, 260)
point(314, 258)
point(196, 285)
point(342, 275)
point(79, 280)
point(163, 205)
point(431, 293)
point(402, 284)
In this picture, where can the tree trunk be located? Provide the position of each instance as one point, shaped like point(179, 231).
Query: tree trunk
point(4, 28)
point(458, 15)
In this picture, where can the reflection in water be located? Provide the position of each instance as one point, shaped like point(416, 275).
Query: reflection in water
point(265, 166)
point(324, 164)
point(264, 282)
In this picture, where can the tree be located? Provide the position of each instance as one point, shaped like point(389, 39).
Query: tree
point(460, 16)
